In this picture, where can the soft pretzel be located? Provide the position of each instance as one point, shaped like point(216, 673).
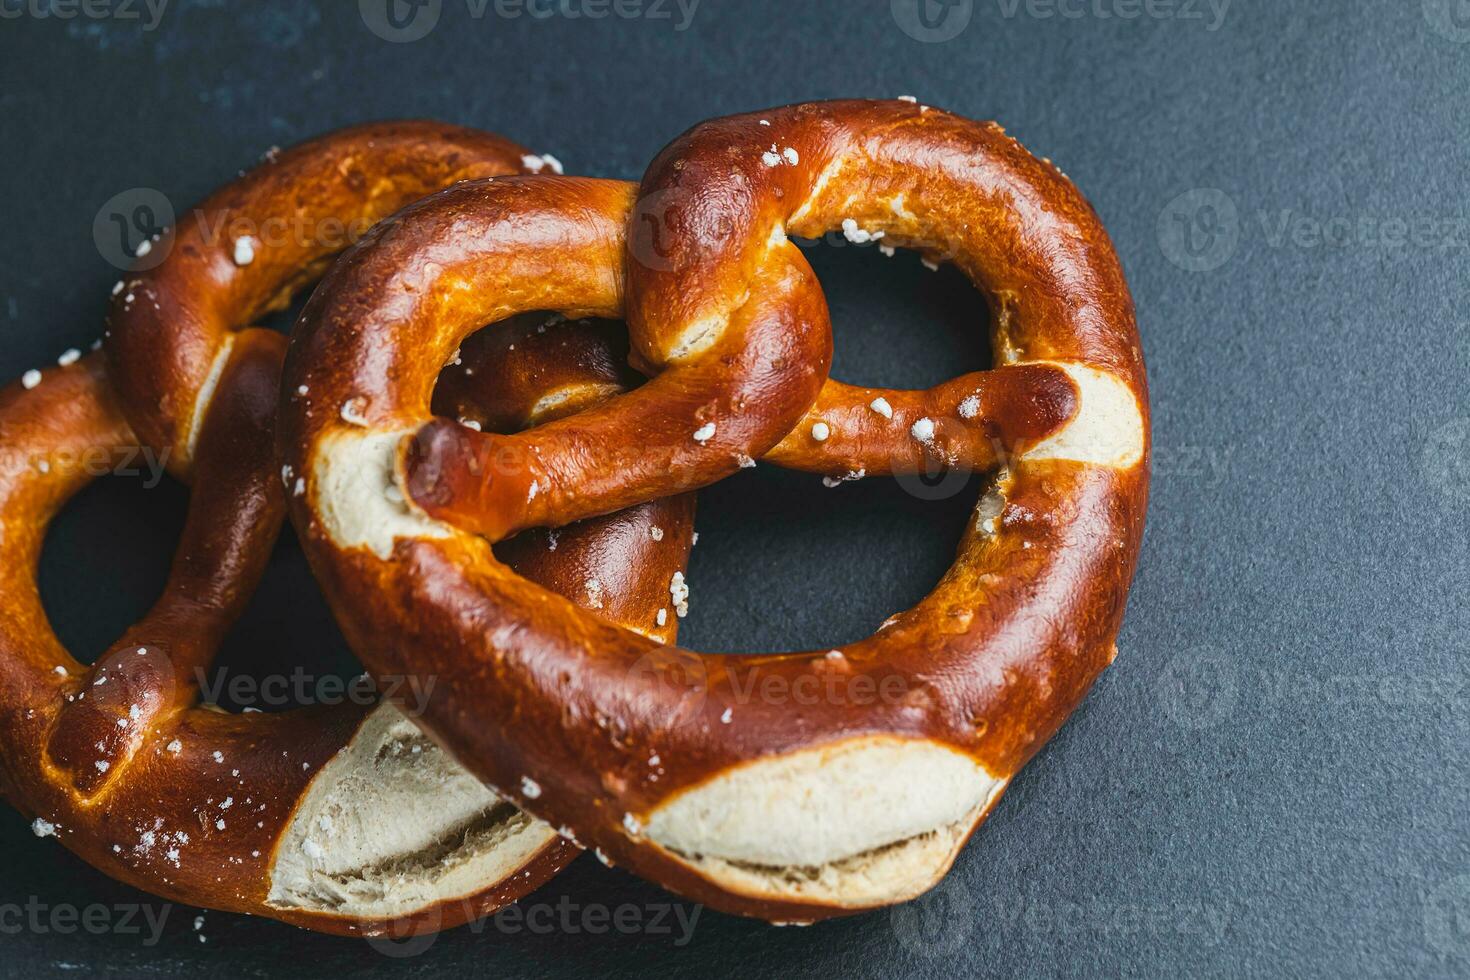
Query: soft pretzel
point(343, 819)
point(247, 249)
point(714, 775)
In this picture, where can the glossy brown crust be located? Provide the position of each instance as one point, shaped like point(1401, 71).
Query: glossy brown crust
point(510, 246)
point(137, 778)
point(534, 370)
point(249, 771)
point(990, 663)
point(151, 819)
point(298, 208)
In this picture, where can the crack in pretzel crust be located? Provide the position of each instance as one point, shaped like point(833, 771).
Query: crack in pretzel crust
point(682, 766)
point(358, 494)
point(871, 821)
point(1108, 429)
point(392, 825)
point(883, 875)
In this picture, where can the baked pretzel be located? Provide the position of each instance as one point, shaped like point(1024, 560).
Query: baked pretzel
point(686, 767)
point(343, 819)
point(250, 247)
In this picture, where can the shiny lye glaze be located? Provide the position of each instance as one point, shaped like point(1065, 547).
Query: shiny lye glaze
point(342, 818)
point(683, 766)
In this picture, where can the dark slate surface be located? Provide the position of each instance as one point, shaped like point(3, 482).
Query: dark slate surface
point(1271, 781)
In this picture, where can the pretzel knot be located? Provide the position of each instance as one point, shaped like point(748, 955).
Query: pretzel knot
point(343, 817)
point(789, 786)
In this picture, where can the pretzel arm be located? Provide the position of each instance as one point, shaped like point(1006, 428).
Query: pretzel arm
point(974, 422)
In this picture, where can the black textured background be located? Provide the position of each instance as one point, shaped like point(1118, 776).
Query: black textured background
point(1271, 780)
